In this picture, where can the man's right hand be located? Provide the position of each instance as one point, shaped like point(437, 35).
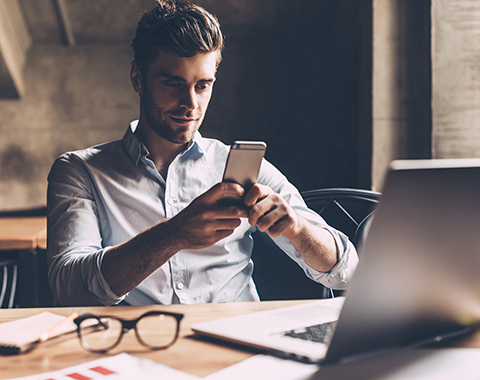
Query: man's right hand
point(201, 224)
point(204, 222)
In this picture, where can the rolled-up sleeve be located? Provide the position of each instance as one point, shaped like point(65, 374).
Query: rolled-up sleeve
point(341, 273)
point(74, 245)
point(347, 261)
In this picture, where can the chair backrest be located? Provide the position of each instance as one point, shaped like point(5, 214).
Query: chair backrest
point(23, 274)
point(277, 277)
point(8, 282)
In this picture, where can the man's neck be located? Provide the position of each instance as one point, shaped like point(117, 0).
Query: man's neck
point(161, 151)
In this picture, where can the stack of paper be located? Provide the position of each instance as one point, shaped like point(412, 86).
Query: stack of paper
point(23, 334)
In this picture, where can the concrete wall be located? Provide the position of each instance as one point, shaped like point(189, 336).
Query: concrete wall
point(296, 73)
point(73, 98)
point(426, 81)
point(456, 78)
point(299, 79)
point(401, 120)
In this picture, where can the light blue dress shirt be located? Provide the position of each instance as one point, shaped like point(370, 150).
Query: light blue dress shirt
point(105, 195)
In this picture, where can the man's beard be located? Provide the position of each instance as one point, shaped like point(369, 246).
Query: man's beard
point(158, 120)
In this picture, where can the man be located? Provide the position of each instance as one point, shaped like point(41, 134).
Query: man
point(137, 221)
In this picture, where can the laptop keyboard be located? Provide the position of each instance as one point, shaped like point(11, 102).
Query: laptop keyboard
point(317, 333)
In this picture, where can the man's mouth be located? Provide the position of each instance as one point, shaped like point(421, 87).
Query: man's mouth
point(182, 120)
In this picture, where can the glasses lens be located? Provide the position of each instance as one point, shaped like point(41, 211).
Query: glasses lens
point(157, 331)
point(100, 334)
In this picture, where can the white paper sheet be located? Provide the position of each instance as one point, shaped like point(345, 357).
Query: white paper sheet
point(265, 367)
point(27, 330)
point(119, 367)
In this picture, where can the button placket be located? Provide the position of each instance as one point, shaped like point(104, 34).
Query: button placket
point(179, 279)
point(172, 191)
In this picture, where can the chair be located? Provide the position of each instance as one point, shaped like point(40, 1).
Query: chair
point(23, 274)
point(8, 282)
point(277, 277)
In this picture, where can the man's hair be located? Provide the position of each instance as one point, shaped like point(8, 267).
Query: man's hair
point(179, 27)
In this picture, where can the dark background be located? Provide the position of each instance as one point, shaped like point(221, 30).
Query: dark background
point(303, 85)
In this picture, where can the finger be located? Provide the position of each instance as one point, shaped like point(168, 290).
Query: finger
point(261, 209)
point(225, 210)
point(229, 211)
point(226, 224)
point(278, 228)
point(217, 191)
point(224, 188)
point(268, 220)
point(256, 193)
point(223, 229)
point(215, 221)
point(231, 194)
point(256, 212)
point(268, 212)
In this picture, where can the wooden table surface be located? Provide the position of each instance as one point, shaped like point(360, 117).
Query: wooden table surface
point(23, 233)
point(199, 357)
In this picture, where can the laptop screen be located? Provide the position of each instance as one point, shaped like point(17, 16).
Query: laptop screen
point(418, 272)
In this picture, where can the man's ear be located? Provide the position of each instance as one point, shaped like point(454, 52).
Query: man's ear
point(136, 78)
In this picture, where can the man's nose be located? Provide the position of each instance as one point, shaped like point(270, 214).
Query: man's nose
point(189, 99)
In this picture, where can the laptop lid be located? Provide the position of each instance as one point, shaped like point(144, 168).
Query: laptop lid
point(417, 277)
point(418, 272)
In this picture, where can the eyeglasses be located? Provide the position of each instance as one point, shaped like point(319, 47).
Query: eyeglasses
point(155, 330)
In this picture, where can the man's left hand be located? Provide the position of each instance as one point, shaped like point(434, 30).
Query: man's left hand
point(270, 212)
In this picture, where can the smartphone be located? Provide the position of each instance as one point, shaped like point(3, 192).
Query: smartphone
point(243, 165)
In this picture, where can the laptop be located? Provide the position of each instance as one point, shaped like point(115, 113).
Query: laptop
point(417, 280)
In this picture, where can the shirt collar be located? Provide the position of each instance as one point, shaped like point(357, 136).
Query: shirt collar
point(136, 149)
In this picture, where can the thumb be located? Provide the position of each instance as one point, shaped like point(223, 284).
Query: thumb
point(221, 189)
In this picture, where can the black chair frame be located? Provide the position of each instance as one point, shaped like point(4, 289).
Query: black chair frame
point(8, 284)
point(23, 273)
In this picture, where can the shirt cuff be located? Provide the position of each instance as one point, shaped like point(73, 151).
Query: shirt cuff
point(339, 276)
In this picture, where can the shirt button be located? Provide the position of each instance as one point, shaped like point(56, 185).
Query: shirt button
point(180, 286)
point(149, 168)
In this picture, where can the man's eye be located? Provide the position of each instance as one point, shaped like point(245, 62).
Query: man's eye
point(172, 84)
point(203, 86)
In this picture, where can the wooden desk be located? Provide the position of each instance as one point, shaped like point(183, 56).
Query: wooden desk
point(23, 233)
point(190, 355)
point(24, 240)
point(193, 356)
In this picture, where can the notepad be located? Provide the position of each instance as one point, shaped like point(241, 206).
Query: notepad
point(23, 334)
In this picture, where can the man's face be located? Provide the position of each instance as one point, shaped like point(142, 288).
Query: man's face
point(175, 92)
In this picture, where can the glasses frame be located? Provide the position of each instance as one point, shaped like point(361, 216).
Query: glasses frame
point(127, 325)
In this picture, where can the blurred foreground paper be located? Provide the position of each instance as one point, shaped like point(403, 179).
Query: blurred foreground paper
point(411, 364)
point(118, 367)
